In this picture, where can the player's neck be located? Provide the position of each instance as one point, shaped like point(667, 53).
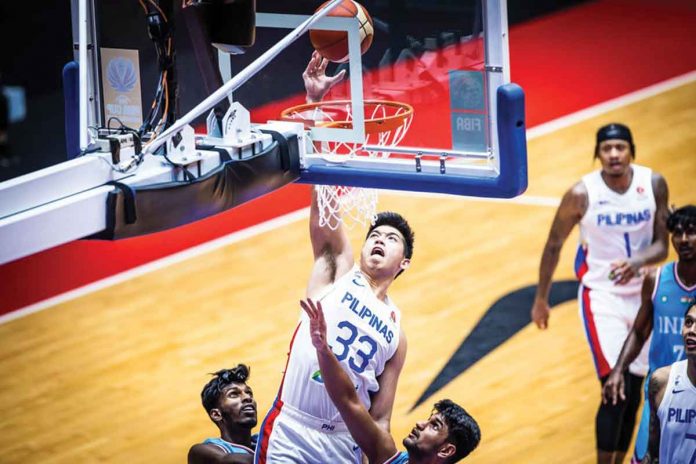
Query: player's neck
point(237, 436)
point(619, 184)
point(691, 371)
point(379, 285)
point(686, 270)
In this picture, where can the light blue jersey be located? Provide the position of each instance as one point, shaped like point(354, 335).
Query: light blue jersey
point(398, 458)
point(228, 447)
point(670, 300)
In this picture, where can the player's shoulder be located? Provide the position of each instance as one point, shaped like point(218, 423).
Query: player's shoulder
point(658, 181)
point(576, 197)
point(659, 378)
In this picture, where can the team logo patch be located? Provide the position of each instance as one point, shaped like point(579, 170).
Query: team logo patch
point(392, 316)
point(317, 377)
point(640, 189)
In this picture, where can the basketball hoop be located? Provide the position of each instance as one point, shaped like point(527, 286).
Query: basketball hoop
point(386, 123)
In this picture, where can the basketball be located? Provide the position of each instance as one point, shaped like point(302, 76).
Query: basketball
point(333, 45)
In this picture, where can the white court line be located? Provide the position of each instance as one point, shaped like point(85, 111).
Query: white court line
point(532, 133)
point(189, 253)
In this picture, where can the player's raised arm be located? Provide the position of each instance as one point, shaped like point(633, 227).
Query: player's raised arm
point(375, 442)
point(333, 254)
point(569, 213)
point(658, 249)
point(613, 389)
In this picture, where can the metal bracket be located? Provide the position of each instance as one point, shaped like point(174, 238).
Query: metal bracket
point(490, 68)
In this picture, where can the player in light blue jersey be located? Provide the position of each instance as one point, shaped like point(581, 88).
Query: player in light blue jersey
point(666, 294)
point(230, 404)
point(448, 435)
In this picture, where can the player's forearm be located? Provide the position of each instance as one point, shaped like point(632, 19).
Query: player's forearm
point(631, 348)
point(655, 253)
point(549, 262)
point(338, 385)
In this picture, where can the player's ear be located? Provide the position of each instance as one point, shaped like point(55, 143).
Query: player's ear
point(405, 263)
point(215, 415)
point(446, 450)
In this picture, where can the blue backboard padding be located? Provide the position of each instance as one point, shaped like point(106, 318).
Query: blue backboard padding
point(511, 181)
point(71, 96)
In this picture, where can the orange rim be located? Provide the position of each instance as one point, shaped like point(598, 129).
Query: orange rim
point(402, 111)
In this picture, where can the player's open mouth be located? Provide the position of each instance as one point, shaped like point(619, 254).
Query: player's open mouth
point(690, 342)
point(249, 408)
point(414, 433)
point(377, 251)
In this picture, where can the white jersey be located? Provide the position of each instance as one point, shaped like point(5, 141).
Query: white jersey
point(362, 331)
point(614, 227)
point(677, 414)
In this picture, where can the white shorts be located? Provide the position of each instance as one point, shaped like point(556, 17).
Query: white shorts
point(608, 318)
point(291, 436)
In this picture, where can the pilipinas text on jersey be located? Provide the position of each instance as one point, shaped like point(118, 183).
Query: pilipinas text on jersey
point(677, 415)
point(615, 227)
point(363, 333)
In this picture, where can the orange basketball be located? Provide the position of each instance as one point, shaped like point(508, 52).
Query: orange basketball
point(333, 45)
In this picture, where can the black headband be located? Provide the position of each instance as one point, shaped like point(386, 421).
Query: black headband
point(614, 131)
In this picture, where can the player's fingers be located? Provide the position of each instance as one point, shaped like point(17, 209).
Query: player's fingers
point(338, 77)
point(309, 310)
point(323, 63)
point(310, 64)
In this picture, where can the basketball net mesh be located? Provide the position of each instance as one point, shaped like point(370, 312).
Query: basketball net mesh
point(386, 124)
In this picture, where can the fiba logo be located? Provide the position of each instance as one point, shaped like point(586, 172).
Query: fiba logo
point(121, 74)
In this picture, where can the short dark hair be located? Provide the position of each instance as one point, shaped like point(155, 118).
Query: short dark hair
point(464, 432)
point(681, 217)
point(692, 305)
point(397, 221)
point(614, 130)
point(222, 378)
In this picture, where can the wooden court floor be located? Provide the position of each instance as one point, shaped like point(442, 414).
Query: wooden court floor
point(115, 376)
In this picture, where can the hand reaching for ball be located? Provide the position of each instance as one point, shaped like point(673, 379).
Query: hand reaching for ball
point(316, 82)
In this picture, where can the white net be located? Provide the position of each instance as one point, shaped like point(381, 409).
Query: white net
point(339, 204)
point(386, 124)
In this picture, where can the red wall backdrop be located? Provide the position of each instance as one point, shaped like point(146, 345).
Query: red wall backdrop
point(565, 62)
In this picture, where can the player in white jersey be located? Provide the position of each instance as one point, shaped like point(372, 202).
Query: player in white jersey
point(303, 425)
point(449, 435)
point(621, 210)
point(672, 394)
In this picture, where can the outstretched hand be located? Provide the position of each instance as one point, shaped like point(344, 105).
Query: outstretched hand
point(317, 323)
point(316, 82)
